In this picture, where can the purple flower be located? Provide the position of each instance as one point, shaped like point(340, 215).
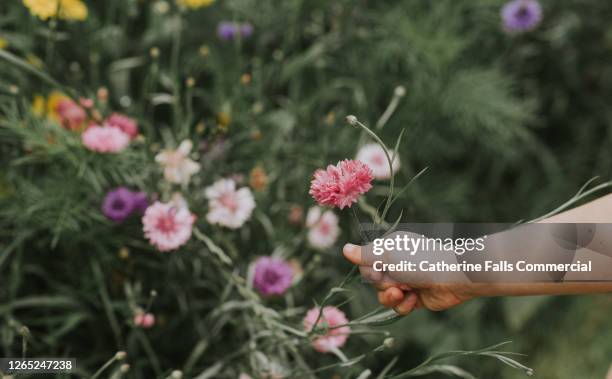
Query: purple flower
point(140, 201)
point(521, 15)
point(273, 276)
point(120, 203)
point(246, 30)
point(226, 30)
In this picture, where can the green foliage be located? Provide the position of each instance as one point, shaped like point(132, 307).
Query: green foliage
point(509, 126)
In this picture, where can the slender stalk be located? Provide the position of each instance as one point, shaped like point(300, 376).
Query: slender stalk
point(50, 45)
point(338, 353)
point(119, 356)
point(20, 63)
point(329, 295)
point(353, 121)
point(397, 95)
point(579, 196)
point(25, 333)
point(176, 50)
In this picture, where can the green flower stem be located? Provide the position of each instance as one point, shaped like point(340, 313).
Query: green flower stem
point(119, 356)
point(384, 118)
point(176, 50)
point(352, 120)
point(20, 63)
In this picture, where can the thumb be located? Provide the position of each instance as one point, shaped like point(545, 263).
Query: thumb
point(352, 253)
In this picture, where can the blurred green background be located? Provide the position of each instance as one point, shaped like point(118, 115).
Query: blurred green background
point(509, 126)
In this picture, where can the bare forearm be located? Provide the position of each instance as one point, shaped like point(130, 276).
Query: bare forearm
point(597, 211)
point(533, 289)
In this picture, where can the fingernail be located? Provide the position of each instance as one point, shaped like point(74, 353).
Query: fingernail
point(351, 252)
point(351, 247)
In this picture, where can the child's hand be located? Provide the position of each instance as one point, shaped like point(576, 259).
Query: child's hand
point(404, 297)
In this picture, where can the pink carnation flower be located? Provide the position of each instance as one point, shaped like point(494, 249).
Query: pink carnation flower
point(105, 139)
point(331, 317)
point(70, 114)
point(144, 320)
point(126, 124)
point(341, 185)
point(167, 225)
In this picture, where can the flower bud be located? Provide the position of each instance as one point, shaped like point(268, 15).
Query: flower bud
point(400, 91)
point(352, 120)
point(24, 331)
point(389, 342)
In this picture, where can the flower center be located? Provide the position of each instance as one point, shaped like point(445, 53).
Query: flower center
point(522, 12)
point(175, 159)
point(378, 160)
point(271, 276)
point(166, 223)
point(324, 228)
point(229, 201)
point(118, 204)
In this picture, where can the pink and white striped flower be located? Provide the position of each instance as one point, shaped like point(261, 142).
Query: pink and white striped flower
point(333, 318)
point(323, 229)
point(374, 156)
point(105, 139)
point(167, 226)
point(228, 206)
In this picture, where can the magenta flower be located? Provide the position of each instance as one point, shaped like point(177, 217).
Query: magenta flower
point(341, 185)
point(126, 124)
point(121, 203)
point(140, 201)
point(521, 15)
point(273, 276)
point(332, 318)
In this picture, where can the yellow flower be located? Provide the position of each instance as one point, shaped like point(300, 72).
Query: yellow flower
point(38, 105)
point(43, 9)
point(52, 102)
point(3, 43)
point(73, 10)
point(68, 9)
point(195, 4)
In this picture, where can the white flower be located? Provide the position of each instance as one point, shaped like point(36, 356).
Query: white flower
point(374, 156)
point(323, 228)
point(179, 201)
point(227, 206)
point(178, 168)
